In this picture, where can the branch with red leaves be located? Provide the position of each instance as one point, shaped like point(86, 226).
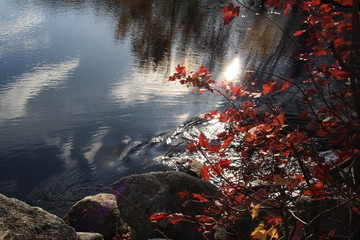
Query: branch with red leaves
point(263, 164)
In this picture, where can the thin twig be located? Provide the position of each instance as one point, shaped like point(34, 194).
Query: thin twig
point(296, 217)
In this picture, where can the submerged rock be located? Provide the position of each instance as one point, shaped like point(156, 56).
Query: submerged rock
point(19, 221)
point(98, 214)
point(158, 192)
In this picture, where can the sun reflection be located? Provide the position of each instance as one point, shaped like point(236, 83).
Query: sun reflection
point(232, 71)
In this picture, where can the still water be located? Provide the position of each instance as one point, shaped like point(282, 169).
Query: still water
point(83, 82)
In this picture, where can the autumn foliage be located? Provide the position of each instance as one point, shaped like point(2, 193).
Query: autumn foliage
point(291, 181)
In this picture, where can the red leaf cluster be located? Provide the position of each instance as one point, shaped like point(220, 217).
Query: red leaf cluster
point(260, 159)
point(316, 191)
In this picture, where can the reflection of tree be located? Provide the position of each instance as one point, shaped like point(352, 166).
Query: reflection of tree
point(165, 30)
point(192, 28)
point(157, 26)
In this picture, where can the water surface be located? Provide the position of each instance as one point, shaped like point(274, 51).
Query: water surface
point(83, 85)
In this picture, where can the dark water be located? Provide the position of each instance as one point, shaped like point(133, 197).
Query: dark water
point(83, 85)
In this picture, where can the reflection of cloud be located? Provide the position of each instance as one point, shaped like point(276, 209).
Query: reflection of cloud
point(96, 144)
point(66, 150)
point(14, 98)
point(15, 32)
point(20, 24)
point(145, 85)
point(66, 147)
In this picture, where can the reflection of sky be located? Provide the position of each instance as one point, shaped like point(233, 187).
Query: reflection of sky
point(14, 98)
point(20, 24)
point(16, 28)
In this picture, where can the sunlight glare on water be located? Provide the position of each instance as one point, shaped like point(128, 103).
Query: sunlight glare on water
point(232, 71)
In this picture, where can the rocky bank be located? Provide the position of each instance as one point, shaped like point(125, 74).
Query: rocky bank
point(111, 216)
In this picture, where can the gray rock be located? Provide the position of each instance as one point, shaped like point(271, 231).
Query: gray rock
point(89, 236)
point(158, 192)
point(19, 221)
point(98, 214)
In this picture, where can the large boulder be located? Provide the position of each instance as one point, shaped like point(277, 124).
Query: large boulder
point(19, 221)
point(98, 214)
point(157, 192)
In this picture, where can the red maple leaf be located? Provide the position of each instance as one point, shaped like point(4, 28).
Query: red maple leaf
point(191, 147)
point(238, 91)
point(204, 172)
point(228, 8)
point(157, 217)
point(279, 120)
point(204, 218)
point(183, 194)
point(203, 72)
point(320, 52)
point(269, 87)
point(273, 3)
point(303, 114)
point(230, 13)
point(274, 220)
point(299, 32)
point(227, 142)
point(317, 191)
point(176, 217)
point(202, 140)
point(314, 3)
point(201, 198)
point(286, 85)
point(238, 199)
point(287, 7)
point(345, 2)
point(322, 172)
point(181, 70)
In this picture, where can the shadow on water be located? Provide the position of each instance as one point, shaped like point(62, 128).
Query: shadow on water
point(115, 114)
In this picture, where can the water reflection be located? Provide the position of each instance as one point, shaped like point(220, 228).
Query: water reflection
point(14, 98)
point(16, 28)
point(96, 143)
point(66, 149)
point(160, 29)
point(164, 31)
point(70, 125)
point(131, 90)
point(18, 24)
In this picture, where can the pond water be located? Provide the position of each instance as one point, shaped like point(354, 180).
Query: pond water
point(83, 84)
